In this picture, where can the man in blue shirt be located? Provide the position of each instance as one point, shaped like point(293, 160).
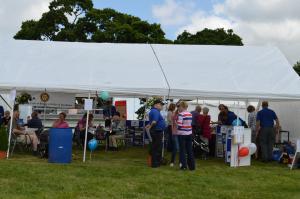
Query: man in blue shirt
point(266, 131)
point(156, 127)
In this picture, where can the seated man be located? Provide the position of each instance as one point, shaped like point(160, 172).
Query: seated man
point(22, 135)
point(35, 122)
point(118, 130)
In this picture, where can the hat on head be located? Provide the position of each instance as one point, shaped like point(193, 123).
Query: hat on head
point(158, 101)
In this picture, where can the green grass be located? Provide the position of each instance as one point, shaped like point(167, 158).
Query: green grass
point(124, 174)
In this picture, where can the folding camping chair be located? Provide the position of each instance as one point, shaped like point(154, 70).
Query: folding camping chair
point(15, 140)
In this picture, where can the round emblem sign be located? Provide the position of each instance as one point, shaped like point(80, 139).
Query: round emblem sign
point(44, 97)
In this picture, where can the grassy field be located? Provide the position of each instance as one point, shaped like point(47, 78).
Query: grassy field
point(124, 174)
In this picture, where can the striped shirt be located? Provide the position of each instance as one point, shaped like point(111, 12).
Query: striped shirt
point(184, 123)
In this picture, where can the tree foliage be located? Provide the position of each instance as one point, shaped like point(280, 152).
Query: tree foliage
point(147, 104)
point(210, 37)
point(297, 67)
point(77, 20)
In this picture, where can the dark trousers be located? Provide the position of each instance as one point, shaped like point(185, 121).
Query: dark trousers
point(156, 150)
point(186, 152)
point(82, 137)
point(267, 140)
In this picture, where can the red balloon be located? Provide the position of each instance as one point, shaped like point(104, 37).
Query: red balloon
point(243, 152)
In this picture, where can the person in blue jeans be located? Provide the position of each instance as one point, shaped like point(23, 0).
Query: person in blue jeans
point(156, 127)
point(184, 131)
point(175, 149)
point(175, 143)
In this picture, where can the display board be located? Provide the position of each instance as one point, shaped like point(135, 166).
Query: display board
point(25, 111)
point(241, 139)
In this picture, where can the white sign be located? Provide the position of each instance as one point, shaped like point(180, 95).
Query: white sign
point(25, 111)
point(135, 123)
point(58, 100)
point(238, 134)
point(88, 104)
point(12, 95)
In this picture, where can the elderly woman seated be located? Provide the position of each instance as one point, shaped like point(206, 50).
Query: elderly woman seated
point(22, 135)
point(118, 131)
point(61, 121)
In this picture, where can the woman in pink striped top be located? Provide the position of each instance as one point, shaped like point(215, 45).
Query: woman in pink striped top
point(184, 131)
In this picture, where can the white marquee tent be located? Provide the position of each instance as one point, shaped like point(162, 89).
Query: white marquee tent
point(178, 71)
point(139, 70)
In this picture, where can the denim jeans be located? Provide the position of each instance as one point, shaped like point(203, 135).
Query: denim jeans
point(175, 147)
point(186, 152)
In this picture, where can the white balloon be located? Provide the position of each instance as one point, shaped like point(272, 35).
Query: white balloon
point(252, 148)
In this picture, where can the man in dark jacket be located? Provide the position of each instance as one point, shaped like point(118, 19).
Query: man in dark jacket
point(35, 121)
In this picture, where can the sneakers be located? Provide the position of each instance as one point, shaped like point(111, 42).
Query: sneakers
point(172, 164)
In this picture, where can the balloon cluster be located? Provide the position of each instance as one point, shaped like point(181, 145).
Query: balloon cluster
point(246, 150)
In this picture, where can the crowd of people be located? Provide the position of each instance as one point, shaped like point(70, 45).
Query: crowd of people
point(29, 133)
point(180, 126)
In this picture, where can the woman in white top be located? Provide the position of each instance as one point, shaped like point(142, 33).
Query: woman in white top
point(252, 122)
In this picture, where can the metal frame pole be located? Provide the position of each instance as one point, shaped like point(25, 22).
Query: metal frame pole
point(86, 131)
point(11, 121)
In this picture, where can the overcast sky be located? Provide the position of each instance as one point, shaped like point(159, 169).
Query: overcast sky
point(258, 22)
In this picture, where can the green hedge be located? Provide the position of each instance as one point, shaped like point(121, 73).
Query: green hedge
point(3, 139)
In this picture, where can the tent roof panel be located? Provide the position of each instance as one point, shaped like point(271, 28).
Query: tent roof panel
point(192, 71)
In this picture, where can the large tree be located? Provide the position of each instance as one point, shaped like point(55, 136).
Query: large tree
point(77, 20)
point(297, 67)
point(210, 37)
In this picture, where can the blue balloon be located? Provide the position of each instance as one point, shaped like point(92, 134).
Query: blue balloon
point(237, 122)
point(104, 95)
point(93, 144)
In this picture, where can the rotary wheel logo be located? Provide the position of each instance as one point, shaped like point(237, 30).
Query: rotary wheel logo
point(45, 97)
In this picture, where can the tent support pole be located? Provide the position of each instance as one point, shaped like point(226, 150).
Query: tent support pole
point(45, 111)
point(258, 105)
point(86, 131)
point(144, 122)
point(246, 104)
point(7, 104)
point(11, 121)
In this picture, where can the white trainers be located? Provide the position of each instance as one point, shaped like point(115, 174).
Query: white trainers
point(172, 165)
